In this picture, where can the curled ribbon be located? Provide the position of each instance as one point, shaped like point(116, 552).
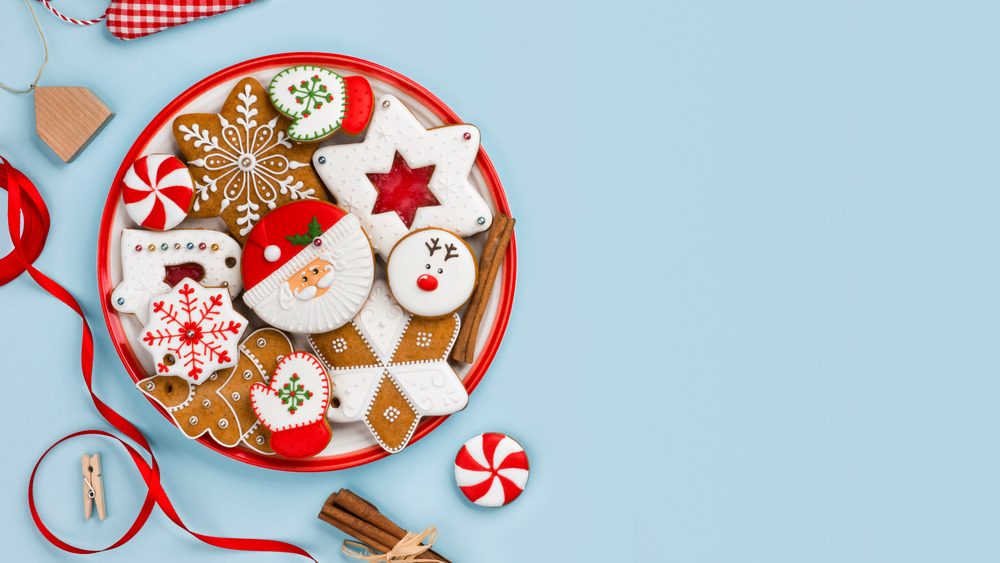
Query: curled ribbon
point(410, 546)
point(24, 201)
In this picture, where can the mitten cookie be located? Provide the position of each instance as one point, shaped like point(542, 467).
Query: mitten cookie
point(321, 102)
point(293, 406)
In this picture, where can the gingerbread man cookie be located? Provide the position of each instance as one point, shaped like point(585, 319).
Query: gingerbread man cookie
point(404, 177)
point(260, 353)
point(390, 368)
point(196, 409)
point(243, 163)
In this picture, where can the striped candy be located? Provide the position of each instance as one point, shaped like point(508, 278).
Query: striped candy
point(491, 469)
point(157, 192)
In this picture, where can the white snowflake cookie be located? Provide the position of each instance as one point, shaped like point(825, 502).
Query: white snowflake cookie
point(193, 331)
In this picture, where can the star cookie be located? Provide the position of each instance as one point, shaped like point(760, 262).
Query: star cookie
point(243, 163)
point(404, 177)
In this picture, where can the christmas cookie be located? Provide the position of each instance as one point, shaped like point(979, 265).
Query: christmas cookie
point(192, 331)
point(154, 262)
point(431, 272)
point(404, 177)
point(243, 163)
point(293, 406)
point(491, 469)
point(157, 191)
point(307, 267)
point(390, 368)
point(260, 353)
point(196, 409)
point(321, 101)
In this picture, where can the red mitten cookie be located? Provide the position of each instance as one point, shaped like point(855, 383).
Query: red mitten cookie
point(293, 406)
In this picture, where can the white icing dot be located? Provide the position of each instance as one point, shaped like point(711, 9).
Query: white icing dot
point(150, 386)
point(247, 375)
point(223, 423)
point(260, 440)
point(236, 396)
point(193, 420)
point(261, 342)
point(272, 253)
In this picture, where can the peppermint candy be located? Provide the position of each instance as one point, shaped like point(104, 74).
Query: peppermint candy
point(491, 469)
point(157, 192)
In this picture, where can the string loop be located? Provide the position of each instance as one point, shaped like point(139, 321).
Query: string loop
point(44, 62)
point(23, 200)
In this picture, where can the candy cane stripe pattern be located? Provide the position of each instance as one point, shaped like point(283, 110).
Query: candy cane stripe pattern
point(157, 192)
point(491, 469)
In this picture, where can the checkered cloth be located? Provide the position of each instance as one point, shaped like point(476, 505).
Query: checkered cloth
point(129, 19)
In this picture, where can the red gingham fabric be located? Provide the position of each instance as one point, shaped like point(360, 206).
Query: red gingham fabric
point(129, 19)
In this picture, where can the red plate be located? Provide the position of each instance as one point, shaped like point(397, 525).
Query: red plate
point(208, 96)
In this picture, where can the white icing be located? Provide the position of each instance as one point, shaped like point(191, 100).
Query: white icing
point(143, 271)
point(193, 331)
point(267, 399)
point(320, 122)
point(272, 253)
point(174, 211)
point(344, 169)
point(423, 253)
point(432, 387)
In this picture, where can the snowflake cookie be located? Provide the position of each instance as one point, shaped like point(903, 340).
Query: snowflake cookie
point(293, 405)
point(243, 163)
point(193, 331)
point(390, 368)
point(321, 102)
point(153, 262)
point(404, 177)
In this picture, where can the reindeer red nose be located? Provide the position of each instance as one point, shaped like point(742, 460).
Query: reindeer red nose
point(427, 282)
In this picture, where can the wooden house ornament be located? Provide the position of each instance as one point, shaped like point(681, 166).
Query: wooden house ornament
point(67, 118)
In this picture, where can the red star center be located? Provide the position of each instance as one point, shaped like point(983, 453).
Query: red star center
point(403, 190)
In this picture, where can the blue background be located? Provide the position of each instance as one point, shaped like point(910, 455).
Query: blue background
point(756, 311)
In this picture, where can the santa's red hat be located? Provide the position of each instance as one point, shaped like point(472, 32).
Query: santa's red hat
point(289, 238)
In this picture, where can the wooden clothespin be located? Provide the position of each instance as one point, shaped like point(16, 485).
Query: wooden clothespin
point(93, 486)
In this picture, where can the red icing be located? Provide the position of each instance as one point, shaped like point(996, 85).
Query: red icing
point(403, 190)
point(304, 441)
point(287, 220)
point(427, 282)
point(180, 271)
point(360, 104)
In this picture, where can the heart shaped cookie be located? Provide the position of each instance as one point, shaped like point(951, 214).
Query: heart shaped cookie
point(293, 406)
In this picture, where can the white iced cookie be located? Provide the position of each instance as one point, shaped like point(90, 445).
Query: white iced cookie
point(431, 272)
point(153, 262)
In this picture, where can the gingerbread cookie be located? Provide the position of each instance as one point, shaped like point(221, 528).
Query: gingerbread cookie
point(431, 272)
point(193, 331)
point(260, 353)
point(321, 102)
point(293, 406)
point(157, 191)
point(154, 262)
point(307, 267)
point(404, 177)
point(389, 368)
point(243, 163)
point(196, 409)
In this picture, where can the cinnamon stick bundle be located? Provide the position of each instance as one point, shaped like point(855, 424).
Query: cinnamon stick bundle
point(489, 265)
point(360, 519)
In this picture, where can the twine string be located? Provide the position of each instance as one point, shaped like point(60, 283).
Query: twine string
point(44, 62)
point(406, 549)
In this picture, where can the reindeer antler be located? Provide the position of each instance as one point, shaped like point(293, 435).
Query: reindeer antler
point(449, 249)
point(434, 241)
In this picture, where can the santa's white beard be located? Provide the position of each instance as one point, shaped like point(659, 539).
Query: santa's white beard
point(305, 312)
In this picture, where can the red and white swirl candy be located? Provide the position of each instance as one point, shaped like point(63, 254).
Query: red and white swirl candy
point(491, 469)
point(157, 192)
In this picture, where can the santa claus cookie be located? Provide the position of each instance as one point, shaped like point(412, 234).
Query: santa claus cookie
point(404, 177)
point(157, 190)
point(243, 163)
point(293, 406)
point(307, 267)
point(321, 102)
point(192, 331)
point(431, 272)
point(154, 262)
point(390, 368)
point(260, 353)
point(196, 409)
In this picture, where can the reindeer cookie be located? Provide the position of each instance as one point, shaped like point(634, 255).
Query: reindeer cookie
point(431, 272)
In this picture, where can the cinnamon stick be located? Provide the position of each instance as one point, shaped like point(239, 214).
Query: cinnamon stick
point(361, 520)
point(489, 265)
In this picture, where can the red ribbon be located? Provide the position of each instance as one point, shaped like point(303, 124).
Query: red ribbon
point(24, 200)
